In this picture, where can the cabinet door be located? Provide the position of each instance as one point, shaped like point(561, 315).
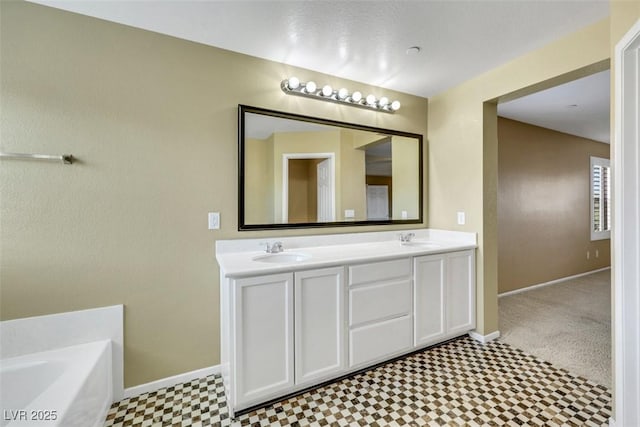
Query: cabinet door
point(320, 347)
point(263, 359)
point(428, 291)
point(461, 292)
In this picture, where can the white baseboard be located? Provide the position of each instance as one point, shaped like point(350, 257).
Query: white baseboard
point(484, 338)
point(552, 282)
point(171, 381)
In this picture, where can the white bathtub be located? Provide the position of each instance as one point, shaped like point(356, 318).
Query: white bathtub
point(66, 387)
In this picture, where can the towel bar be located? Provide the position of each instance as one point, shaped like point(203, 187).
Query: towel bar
point(67, 159)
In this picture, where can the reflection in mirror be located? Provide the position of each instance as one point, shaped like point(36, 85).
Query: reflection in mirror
point(298, 171)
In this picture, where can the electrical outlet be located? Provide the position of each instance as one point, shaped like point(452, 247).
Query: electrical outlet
point(597, 253)
point(461, 218)
point(349, 213)
point(404, 214)
point(214, 220)
point(588, 255)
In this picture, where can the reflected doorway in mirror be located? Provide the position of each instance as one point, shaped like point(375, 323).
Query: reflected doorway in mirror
point(308, 187)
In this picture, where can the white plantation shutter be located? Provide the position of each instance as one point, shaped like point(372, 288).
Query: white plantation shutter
point(600, 198)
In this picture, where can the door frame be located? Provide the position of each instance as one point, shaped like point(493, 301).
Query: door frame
point(626, 230)
point(285, 178)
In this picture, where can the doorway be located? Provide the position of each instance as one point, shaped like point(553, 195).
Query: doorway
point(546, 145)
point(377, 202)
point(308, 187)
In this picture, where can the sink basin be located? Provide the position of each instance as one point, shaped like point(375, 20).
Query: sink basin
point(282, 257)
point(422, 244)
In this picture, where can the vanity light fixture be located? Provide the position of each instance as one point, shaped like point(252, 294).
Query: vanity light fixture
point(309, 88)
point(294, 83)
point(371, 100)
point(293, 86)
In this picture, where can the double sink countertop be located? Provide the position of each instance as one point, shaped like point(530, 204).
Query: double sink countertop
point(247, 257)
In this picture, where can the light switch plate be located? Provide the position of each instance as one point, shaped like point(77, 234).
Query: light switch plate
point(214, 220)
point(404, 214)
point(461, 218)
point(349, 213)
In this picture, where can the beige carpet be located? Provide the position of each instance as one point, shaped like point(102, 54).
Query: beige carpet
point(567, 324)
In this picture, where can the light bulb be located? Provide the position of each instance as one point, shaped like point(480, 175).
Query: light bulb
point(343, 93)
point(371, 100)
point(293, 83)
point(311, 87)
point(395, 105)
point(383, 101)
point(327, 90)
point(356, 96)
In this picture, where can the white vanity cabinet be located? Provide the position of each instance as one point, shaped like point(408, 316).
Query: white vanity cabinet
point(262, 346)
point(288, 332)
point(380, 311)
point(460, 303)
point(290, 325)
point(444, 296)
point(429, 295)
point(320, 338)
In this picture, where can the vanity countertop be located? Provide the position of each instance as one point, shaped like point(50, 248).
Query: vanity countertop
point(237, 258)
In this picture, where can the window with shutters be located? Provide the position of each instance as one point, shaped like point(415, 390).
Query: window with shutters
point(600, 198)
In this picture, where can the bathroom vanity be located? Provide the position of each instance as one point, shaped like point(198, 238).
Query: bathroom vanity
point(330, 305)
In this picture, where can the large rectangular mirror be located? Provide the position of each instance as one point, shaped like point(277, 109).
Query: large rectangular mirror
point(297, 171)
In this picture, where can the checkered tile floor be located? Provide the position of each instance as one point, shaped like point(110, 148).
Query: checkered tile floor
point(461, 383)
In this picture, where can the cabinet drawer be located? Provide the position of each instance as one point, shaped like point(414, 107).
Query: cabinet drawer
point(379, 271)
point(373, 342)
point(379, 301)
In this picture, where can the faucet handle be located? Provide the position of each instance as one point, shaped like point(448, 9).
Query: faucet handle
point(406, 237)
point(267, 246)
point(273, 248)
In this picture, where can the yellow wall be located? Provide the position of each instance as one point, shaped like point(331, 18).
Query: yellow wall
point(362, 138)
point(624, 13)
point(353, 194)
point(463, 149)
point(259, 193)
point(544, 206)
point(153, 121)
point(405, 177)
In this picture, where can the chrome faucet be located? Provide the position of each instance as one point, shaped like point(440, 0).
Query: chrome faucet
point(406, 237)
point(274, 248)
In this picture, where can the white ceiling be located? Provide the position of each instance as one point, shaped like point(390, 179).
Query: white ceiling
point(580, 107)
point(363, 40)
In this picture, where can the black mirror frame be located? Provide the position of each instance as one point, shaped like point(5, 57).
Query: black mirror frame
point(242, 109)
